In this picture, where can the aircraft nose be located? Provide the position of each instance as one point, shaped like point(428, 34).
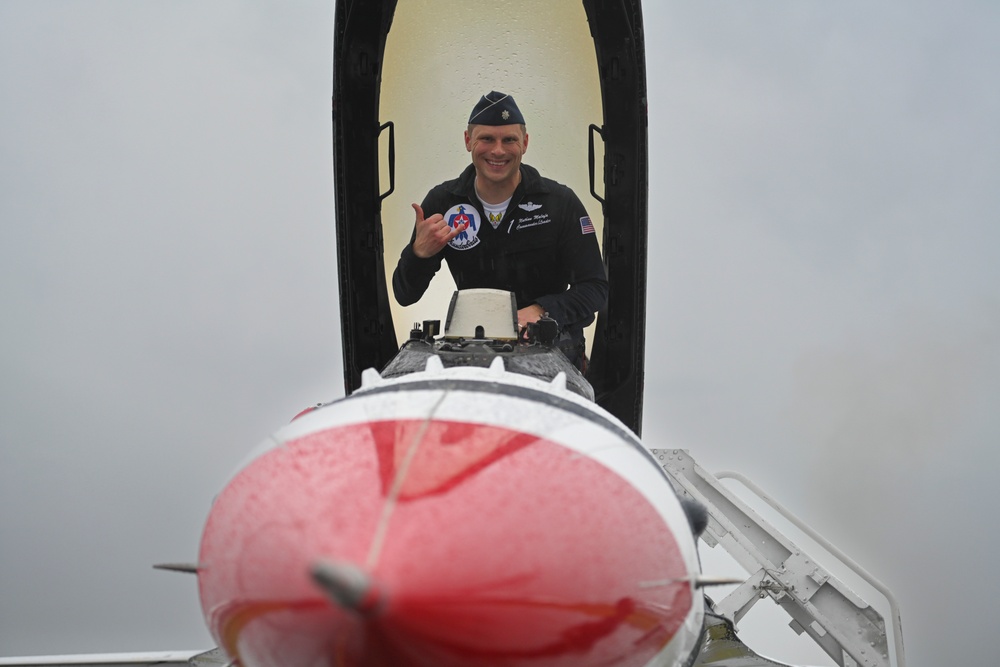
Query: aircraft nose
point(437, 543)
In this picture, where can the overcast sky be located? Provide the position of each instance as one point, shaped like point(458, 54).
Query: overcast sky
point(824, 303)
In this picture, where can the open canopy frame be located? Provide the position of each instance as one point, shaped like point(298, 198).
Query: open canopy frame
point(369, 338)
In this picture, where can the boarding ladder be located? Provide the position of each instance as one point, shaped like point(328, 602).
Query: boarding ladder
point(850, 630)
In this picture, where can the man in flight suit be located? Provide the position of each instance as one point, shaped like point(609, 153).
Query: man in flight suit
point(502, 225)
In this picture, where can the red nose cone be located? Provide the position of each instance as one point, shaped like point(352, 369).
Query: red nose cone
point(480, 545)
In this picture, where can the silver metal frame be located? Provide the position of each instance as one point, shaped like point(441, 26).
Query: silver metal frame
point(844, 625)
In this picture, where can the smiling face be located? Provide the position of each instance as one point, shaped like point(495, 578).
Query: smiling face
point(496, 154)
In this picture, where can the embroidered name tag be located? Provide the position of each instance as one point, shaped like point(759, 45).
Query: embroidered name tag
point(533, 221)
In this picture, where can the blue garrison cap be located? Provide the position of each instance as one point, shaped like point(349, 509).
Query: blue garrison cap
point(496, 108)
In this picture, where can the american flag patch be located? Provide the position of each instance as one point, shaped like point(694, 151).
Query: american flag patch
point(586, 226)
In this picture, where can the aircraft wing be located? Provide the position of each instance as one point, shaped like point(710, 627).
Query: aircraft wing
point(165, 658)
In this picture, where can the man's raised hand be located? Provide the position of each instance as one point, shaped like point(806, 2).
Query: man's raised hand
point(432, 234)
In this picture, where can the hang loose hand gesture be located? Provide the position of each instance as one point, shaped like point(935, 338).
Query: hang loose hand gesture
point(433, 233)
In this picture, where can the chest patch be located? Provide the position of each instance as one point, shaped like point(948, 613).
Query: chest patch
point(459, 215)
